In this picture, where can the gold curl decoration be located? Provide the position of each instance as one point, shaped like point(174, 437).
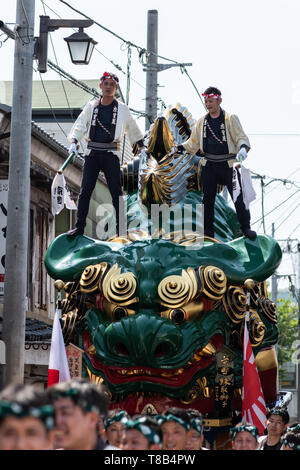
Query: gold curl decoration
point(256, 329)
point(213, 282)
point(119, 288)
point(91, 278)
point(268, 308)
point(235, 302)
point(175, 291)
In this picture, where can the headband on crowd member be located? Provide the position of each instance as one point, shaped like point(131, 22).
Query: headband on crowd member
point(45, 413)
point(114, 419)
point(286, 441)
point(74, 394)
point(107, 76)
point(140, 425)
point(197, 424)
point(278, 411)
point(170, 417)
point(211, 95)
point(252, 429)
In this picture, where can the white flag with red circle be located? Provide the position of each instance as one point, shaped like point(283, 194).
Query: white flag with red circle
point(253, 405)
point(58, 369)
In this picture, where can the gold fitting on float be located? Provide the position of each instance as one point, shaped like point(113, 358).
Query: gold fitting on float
point(59, 284)
point(249, 284)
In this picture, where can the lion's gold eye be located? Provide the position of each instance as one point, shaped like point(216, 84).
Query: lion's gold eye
point(119, 288)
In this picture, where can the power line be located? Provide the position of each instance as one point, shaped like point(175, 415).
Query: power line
point(258, 220)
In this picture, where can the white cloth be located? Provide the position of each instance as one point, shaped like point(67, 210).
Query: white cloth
point(125, 124)
point(246, 186)
point(60, 196)
point(236, 188)
point(249, 193)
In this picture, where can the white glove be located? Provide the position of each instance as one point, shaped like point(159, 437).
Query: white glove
point(242, 155)
point(73, 148)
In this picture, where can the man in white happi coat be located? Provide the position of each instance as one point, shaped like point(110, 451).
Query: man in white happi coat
point(100, 129)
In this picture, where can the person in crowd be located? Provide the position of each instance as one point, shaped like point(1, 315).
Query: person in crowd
point(142, 433)
point(175, 427)
point(26, 419)
point(244, 436)
point(196, 437)
point(221, 141)
point(101, 128)
point(291, 439)
point(78, 404)
point(277, 422)
point(114, 427)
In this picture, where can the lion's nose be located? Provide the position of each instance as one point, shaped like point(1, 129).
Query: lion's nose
point(145, 339)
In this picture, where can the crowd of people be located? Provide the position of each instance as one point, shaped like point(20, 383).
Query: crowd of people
point(75, 415)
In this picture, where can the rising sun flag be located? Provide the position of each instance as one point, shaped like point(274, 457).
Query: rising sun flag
point(253, 406)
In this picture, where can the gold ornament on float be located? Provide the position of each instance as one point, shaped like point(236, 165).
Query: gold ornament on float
point(91, 277)
point(213, 282)
point(234, 302)
point(119, 288)
point(176, 291)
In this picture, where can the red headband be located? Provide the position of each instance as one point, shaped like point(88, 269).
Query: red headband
point(211, 95)
point(107, 76)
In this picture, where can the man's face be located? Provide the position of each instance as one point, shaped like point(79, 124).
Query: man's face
point(75, 429)
point(213, 105)
point(135, 440)
point(194, 441)
point(244, 441)
point(108, 87)
point(174, 436)
point(115, 434)
point(26, 433)
point(275, 425)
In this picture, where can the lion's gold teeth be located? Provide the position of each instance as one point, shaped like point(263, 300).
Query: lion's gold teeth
point(94, 378)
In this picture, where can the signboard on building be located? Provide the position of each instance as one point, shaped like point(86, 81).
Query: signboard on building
point(74, 355)
point(3, 224)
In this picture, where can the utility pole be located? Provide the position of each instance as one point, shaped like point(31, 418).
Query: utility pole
point(15, 285)
point(274, 293)
point(152, 68)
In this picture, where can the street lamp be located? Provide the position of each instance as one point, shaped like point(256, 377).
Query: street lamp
point(80, 44)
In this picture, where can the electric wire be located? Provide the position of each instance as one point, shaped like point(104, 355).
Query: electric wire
point(265, 215)
point(141, 50)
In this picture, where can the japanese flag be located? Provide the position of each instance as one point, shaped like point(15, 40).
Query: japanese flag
point(58, 370)
point(60, 196)
point(253, 407)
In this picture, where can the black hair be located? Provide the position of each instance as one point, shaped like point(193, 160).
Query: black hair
point(213, 90)
point(83, 393)
point(25, 395)
point(179, 412)
point(281, 412)
point(292, 436)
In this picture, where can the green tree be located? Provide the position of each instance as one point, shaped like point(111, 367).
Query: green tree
point(287, 316)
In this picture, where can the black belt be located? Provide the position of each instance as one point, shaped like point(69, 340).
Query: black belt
point(219, 158)
point(108, 146)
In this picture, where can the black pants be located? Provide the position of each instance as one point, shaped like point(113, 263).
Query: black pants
point(96, 161)
point(220, 173)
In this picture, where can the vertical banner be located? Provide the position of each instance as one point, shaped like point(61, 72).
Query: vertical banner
point(74, 355)
point(3, 224)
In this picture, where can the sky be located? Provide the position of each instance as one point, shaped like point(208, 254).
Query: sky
point(250, 49)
